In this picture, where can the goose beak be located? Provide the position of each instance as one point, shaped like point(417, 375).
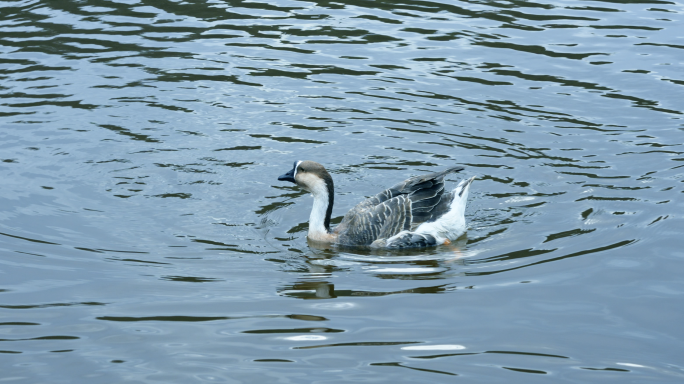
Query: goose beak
point(288, 176)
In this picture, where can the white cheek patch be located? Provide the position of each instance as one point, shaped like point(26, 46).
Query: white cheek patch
point(314, 184)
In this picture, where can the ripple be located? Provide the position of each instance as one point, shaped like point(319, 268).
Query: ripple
point(306, 338)
point(440, 347)
point(143, 225)
point(338, 306)
point(405, 270)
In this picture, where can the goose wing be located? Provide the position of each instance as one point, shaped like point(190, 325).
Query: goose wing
point(416, 200)
point(371, 222)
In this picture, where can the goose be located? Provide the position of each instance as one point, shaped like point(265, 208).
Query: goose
point(414, 213)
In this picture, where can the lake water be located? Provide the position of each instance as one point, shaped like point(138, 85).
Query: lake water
point(145, 238)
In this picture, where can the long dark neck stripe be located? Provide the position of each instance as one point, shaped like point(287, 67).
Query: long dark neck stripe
point(331, 199)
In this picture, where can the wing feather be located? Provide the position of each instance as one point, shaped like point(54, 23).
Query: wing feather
point(405, 205)
point(380, 221)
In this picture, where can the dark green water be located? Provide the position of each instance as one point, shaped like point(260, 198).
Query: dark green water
point(144, 236)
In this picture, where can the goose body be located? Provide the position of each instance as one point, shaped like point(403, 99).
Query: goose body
point(417, 212)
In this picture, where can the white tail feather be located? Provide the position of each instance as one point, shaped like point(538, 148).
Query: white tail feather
point(452, 224)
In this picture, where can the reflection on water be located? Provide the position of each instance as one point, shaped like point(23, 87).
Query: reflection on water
point(439, 264)
point(144, 236)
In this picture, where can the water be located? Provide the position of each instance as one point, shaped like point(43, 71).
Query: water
point(145, 237)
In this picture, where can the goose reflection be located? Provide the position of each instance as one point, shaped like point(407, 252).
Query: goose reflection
point(319, 282)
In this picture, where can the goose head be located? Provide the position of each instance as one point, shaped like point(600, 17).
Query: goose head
point(312, 177)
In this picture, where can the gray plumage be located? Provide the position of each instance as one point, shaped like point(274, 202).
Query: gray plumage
point(406, 240)
point(414, 213)
point(401, 207)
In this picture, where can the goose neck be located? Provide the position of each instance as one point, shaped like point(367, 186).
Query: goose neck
point(319, 221)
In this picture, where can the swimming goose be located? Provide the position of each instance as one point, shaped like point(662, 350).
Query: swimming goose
point(414, 213)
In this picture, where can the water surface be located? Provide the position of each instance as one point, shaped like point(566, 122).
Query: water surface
point(144, 236)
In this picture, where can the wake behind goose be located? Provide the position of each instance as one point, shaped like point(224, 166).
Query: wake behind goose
point(416, 212)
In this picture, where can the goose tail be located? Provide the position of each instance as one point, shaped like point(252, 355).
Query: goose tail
point(449, 226)
point(461, 195)
point(452, 224)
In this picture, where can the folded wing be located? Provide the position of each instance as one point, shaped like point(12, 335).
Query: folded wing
point(399, 208)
